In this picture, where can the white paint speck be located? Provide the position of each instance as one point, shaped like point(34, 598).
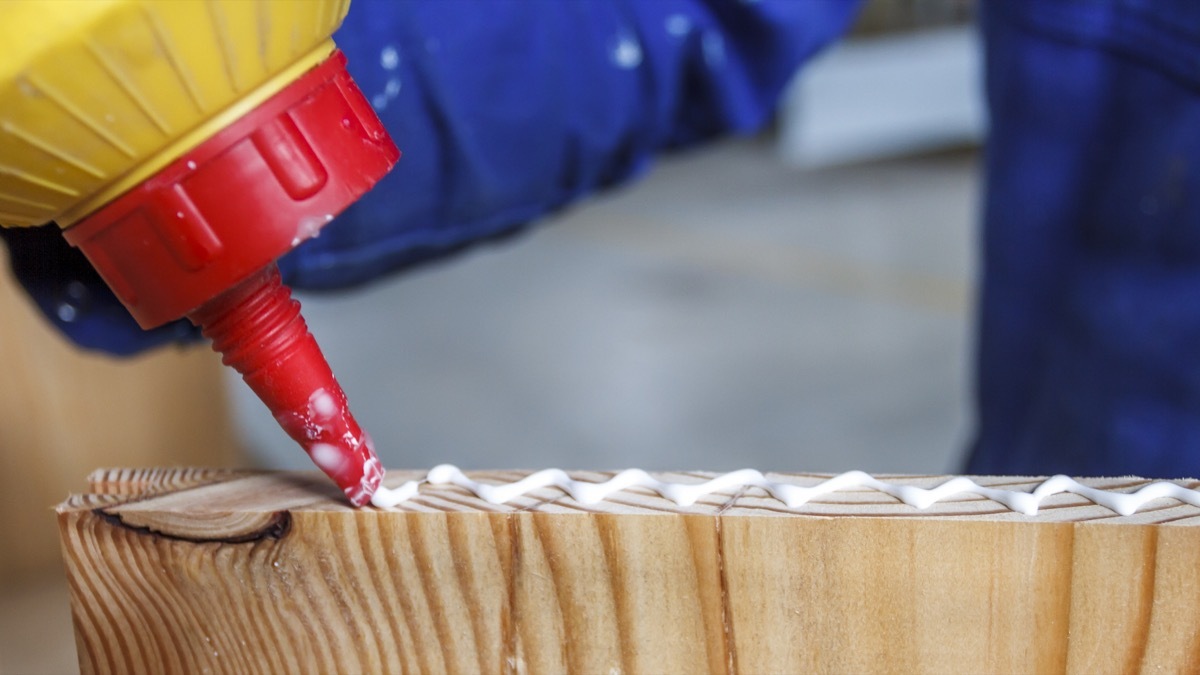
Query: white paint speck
point(379, 101)
point(326, 456)
point(389, 58)
point(678, 25)
point(66, 312)
point(392, 88)
point(179, 214)
point(191, 164)
point(626, 51)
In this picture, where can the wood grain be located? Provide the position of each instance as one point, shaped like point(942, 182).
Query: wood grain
point(271, 572)
point(62, 409)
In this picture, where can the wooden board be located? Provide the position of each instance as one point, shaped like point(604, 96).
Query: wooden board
point(271, 572)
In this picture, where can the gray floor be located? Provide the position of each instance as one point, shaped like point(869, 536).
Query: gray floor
point(725, 312)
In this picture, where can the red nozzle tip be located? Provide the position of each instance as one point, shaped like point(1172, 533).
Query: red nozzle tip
point(333, 440)
point(258, 329)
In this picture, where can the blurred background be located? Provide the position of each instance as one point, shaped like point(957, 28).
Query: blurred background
point(801, 300)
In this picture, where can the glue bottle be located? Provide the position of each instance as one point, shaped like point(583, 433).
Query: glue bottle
point(185, 147)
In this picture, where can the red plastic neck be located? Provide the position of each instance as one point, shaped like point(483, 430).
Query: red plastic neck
point(258, 329)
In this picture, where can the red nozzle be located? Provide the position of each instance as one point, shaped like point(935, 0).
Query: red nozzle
point(258, 328)
point(200, 238)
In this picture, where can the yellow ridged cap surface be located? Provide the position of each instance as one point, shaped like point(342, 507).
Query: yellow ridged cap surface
point(97, 95)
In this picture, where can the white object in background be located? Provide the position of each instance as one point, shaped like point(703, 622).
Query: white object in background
point(883, 97)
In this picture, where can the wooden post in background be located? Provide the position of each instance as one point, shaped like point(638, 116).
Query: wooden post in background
point(268, 572)
point(64, 411)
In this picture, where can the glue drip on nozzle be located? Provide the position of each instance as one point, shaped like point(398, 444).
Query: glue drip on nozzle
point(258, 329)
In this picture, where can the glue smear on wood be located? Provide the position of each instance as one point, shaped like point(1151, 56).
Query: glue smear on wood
point(793, 496)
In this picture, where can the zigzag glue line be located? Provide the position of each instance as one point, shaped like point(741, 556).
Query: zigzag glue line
point(792, 496)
